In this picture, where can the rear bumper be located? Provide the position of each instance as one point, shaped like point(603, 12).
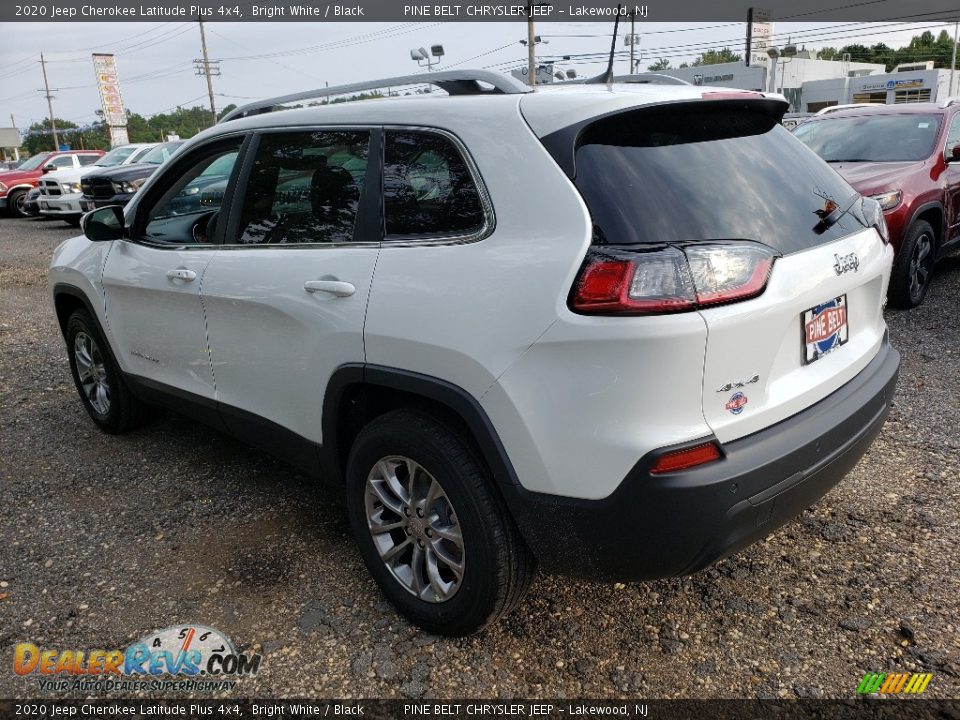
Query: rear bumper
point(672, 524)
point(3, 202)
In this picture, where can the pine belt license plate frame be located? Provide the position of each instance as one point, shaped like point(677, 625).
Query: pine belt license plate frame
point(825, 328)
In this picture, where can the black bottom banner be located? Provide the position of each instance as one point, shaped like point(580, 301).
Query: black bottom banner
point(873, 708)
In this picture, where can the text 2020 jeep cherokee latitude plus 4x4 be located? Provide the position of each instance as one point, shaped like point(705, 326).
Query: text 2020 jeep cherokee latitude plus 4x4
point(622, 331)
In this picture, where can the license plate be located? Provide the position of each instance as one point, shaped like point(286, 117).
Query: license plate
point(87, 205)
point(825, 328)
point(45, 206)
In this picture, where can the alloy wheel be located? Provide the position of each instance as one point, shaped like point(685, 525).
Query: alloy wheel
point(92, 372)
point(415, 528)
point(920, 265)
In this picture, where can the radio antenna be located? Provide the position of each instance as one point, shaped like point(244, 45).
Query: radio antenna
point(607, 77)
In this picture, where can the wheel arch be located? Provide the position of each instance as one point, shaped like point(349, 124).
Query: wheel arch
point(67, 299)
point(358, 393)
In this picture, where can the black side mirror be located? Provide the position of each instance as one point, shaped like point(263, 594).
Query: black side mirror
point(104, 223)
point(954, 154)
point(49, 168)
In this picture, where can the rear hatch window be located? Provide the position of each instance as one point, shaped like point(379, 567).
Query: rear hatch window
point(706, 171)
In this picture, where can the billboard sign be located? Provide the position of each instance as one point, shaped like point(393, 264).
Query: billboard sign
point(759, 36)
point(108, 82)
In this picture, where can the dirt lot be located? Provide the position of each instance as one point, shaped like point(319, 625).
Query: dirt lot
point(103, 539)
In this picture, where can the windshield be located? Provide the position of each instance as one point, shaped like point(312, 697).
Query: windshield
point(116, 156)
point(34, 162)
point(871, 138)
point(673, 175)
point(161, 153)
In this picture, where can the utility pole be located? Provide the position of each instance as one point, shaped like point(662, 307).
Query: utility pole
point(633, 40)
point(531, 53)
point(206, 71)
point(46, 85)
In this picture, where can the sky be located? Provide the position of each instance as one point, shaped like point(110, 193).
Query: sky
point(265, 59)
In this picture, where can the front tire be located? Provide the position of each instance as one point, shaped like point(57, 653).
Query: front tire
point(913, 266)
point(15, 204)
point(104, 394)
point(431, 530)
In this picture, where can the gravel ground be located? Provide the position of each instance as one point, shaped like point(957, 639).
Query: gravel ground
point(103, 539)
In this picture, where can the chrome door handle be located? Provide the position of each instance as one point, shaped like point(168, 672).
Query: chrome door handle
point(182, 274)
point(338, 288)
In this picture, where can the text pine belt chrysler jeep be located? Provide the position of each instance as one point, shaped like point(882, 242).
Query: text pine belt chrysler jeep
point(620, 331)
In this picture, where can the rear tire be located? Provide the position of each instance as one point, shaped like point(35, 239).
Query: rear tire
point(73, 221)
point(104, 394)
point(422, 487)
point(15, 202)
point(913, 266)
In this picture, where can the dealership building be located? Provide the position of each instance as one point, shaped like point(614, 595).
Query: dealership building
point(811, 85)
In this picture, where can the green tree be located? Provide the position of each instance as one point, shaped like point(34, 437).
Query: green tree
point(828, 53)
point(715, 57)
point(661, 64)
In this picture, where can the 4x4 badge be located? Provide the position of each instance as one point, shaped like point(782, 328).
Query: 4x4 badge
point(738, 384)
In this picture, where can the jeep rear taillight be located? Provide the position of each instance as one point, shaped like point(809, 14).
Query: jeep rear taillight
point(625, 281)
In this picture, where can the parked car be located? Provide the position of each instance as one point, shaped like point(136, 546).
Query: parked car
point(791, 120)
point(594, 327)
point(60, 194)
point(15, 184)
point(907, 157)
point(115, 186)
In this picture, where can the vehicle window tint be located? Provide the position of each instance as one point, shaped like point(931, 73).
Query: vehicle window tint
point(871, 138)
point(675, 175)
point(62, 161)
point(427, 187)
point(188, 210)
point(953, 133)
point(304, 187)
point(89, 159)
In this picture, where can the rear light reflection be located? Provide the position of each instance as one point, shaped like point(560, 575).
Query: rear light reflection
point(687, 458)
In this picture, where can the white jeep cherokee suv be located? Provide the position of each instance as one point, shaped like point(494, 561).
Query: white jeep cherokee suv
point(621, 330)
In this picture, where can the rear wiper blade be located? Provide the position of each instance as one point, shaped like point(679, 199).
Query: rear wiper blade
point(831, 212)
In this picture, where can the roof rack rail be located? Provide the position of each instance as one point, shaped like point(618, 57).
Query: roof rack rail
point(650, 79)
point(455, 82)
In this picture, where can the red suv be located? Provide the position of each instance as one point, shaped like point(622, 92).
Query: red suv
point(908, 158)
point(15, 184)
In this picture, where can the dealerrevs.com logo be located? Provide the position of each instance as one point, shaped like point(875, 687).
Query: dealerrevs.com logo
point(183, 657)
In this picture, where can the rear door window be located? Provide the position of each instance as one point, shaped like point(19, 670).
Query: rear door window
point(706, 171)
point(428, 190)
point(304, 187)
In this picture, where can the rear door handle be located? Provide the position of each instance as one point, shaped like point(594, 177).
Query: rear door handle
point(339, 288)
point(182, 274)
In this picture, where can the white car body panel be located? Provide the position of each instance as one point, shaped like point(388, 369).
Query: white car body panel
point(275, 345)
point(464, 325)
point(589, 399)
point(786, 385)
point(157, 325)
